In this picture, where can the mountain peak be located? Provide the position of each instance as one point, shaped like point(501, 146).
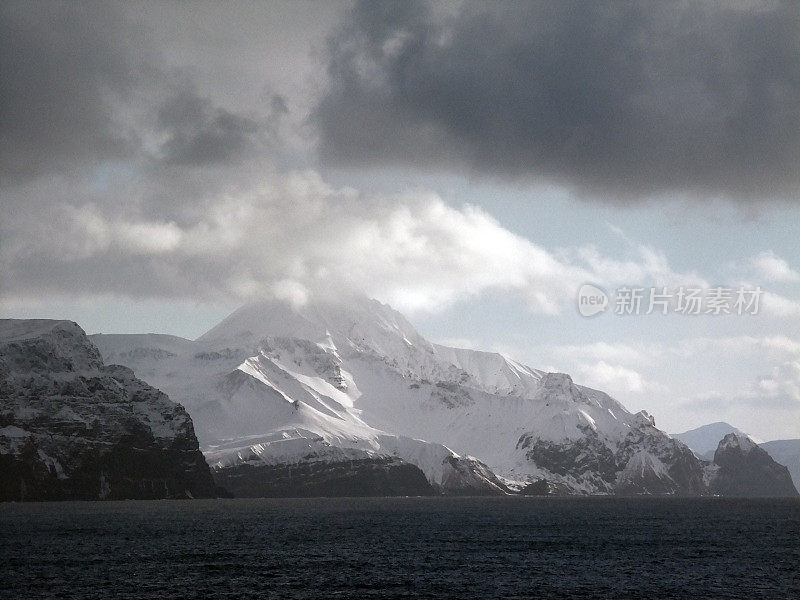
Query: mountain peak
point(747, 470)
point(13, 330)
point(357, 321)
point(47, 345)
point(704, 440)
point(737, 440)
point(356, 376)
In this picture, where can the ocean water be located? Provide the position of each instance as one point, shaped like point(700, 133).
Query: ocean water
point(457, 548)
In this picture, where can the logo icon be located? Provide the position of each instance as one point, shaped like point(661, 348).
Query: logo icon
point(591, 300)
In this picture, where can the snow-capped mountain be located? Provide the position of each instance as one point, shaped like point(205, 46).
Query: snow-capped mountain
point(73, 428)
point(277, 385)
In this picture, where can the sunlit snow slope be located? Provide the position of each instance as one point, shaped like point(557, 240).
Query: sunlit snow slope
point(276, 384)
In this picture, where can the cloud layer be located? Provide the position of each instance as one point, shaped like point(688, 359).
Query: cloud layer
point(745, 378)
point(82, 86)
point(123, 172)
point(170, 154)
point(282, 234)
point(618, 99)
point(62, 69)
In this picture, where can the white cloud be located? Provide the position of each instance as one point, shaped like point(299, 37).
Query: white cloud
point(294, 235)
point(743, 345)
point(605, 376)
point(147, 238)
point(289, 234)
point(293, 292)
point(725, 377)
point(770, 347)
point(782, 383)
point(777, 390)
point(779, 306)
point(620, 353)
point(770, 267)
point(647, 266)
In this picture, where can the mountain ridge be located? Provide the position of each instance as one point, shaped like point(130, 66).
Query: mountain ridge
point(358, 375)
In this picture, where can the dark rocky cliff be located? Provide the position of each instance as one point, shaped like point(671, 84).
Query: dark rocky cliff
point(72, 428)
point(744, 469)
point(367, 477)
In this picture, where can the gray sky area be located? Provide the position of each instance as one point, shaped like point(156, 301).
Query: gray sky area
point(473, 164)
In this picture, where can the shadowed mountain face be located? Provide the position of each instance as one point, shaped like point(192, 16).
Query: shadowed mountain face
point(365, 477)
point(744, 469)
point(786, 452)
point(72, 428)
point(704, 440)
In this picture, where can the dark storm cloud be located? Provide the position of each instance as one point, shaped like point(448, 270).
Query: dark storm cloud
point(81, 86)
point(201, 134)
point(62, 66)
point(612, 97)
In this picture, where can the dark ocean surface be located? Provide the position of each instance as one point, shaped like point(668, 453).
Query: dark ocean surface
point(402, 548)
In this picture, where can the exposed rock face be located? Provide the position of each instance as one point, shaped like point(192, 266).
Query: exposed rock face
point(467, 476)
point(786, 452)
point(544, 488)
point(72, 428)
point(743, 469)
point(703, 441)
point(657, 464)
point(643, 462)
point(588, 460)
point(358, 477)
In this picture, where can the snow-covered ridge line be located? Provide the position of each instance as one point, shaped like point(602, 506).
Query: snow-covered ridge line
point(356, 376)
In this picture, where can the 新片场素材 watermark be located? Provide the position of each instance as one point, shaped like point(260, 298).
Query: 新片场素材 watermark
point(685, 300)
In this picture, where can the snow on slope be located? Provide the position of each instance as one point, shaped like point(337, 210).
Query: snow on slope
point(288, 402)
point(493, 372)
point(275, 382)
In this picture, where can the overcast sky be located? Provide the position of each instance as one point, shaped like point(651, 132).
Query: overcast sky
point(473, 164)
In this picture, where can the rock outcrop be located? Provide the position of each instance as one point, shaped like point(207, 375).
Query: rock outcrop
point(352, 478)
point(741, 468)
point(72, 428)
point(786, 452)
